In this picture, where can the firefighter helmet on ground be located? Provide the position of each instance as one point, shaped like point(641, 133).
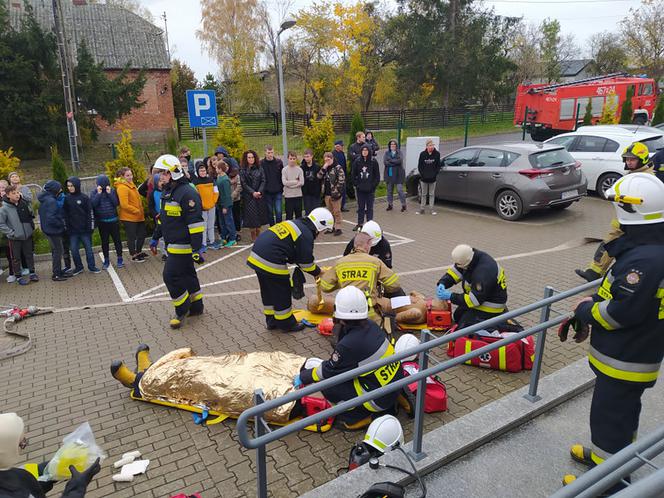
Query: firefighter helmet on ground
point(322, 219)
point(169, 162)
point(638, 198)
point(384, 433)
point(638, 151)
point(406, 341)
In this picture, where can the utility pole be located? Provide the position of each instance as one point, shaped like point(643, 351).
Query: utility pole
point(66, 85)
point(168, 48)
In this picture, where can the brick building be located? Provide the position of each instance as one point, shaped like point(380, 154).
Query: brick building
point(116, 37)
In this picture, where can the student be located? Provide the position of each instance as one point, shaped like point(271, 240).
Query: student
point(334, 183)
point(340, 157)
point(16, 222)
point(4, 247)
point(274, 187)
point(209, 196)
point(225, 205)
point(105, 204)
point(52, 222)
point(253, 187)
point(236, 193)
point(311, 187)
point(394, 174)
point(292, 177)
point(154, 205)
point(366, 177)
point(428, 166)
point(26, 193)
point(371, 141)
point(78, 218)
point(131, 214)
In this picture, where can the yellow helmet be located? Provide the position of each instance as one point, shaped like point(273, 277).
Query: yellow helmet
point(638, 150)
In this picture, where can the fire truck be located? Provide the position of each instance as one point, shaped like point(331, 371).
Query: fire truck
point(551, 109)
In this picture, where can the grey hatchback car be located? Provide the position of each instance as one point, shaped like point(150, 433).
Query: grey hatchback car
point(512, 178)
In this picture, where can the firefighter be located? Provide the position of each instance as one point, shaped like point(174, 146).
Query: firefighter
point(484, 286)
point(380, 246)
point(361, 270)
point(360, 342)
point(626, 318)
point(181, 225)
point(635, 157)
point(290, 241)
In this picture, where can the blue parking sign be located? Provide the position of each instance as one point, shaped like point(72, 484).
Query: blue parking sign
point(202, 107)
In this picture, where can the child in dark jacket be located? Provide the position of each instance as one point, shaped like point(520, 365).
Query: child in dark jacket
point(366, 177)
point(52, 222)
point(16, 222)
point(78, 217)
point(105, 204)
point(154, 207)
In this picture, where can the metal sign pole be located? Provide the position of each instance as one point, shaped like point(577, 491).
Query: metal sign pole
point(205, 142)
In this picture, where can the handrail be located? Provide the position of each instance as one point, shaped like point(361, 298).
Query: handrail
point(242, 422)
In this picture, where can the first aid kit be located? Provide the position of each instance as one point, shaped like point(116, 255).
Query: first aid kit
point(435, 395)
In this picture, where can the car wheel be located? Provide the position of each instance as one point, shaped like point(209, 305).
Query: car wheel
point(509, 205)
point(562, 205)
point(605, 182)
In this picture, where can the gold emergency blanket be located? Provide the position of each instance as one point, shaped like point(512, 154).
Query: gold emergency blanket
point(224, 383)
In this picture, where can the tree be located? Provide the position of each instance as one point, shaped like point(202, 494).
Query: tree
point(643, 37)
point(319, 137)
point(658, 115)
point(210, 83)
point(524, 53)
point(588, 116)
point(555, 49)
point(8, 162)
point(609, 110)
point(230, 136)
point(626, 111)
point(58, 167)
point(182, 79)
point(357, 124)
point(126, 159)
point(607, 53)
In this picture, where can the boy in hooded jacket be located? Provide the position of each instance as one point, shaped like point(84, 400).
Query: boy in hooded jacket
point(78, 217)
point(52, 222)
point(366, 177)
point(105, 202)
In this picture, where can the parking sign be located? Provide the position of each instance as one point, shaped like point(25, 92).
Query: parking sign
point(202, 107)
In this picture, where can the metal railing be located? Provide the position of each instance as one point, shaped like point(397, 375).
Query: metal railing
point(265, 434)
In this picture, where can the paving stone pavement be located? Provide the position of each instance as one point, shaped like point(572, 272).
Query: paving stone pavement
point(65, 380)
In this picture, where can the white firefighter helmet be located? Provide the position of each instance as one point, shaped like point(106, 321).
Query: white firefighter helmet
point(312, 363)
point(322, 219)
point(384, 433)
point(372, 229)
point(351, 304)
point(406, 341)
point(169, 162)
point(638, 199)
point(462, 255)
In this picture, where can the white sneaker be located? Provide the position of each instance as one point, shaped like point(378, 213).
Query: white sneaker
point(11, 279)
point(25, 271)
point(433, 213)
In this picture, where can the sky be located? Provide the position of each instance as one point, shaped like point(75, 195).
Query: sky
point(581, 18)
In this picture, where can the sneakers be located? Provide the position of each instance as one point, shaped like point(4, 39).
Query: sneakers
point(94, 269)
point(66, 269)
point(58, 278)
point(77, 271)
point(25, 272)
point(337, 232)
point(164, 257)
point(421, 211)
point(120, 263)
point(23, 281)
point(357, 228)
point(230, 243)
point(403, 209)
point(389, 208)
point(138, 258)
point(434, 213)
point(11, 279)
point(34, 277)
point(217, 245)
point(203, 248)
point(105, 265)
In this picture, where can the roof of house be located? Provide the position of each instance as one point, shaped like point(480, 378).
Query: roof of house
point(573, 67)
point(114, 36)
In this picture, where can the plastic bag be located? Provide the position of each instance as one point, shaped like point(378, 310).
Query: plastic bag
point(78, 449)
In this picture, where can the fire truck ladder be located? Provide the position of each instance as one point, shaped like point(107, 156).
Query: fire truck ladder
point(576, 82)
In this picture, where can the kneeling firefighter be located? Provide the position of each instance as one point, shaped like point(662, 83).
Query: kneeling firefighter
point(380, 246)
point(484, 286)
point(361, 341)
point(635, 157)
point(181, 225)
point(290, 241)
point(626, 316)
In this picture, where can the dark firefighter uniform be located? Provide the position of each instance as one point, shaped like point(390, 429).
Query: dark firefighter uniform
point(292, 242)
point(627, 339)
point(382, 251)
point(360, 342)
point(484, 289)
point(181, 225)
point(364, 272)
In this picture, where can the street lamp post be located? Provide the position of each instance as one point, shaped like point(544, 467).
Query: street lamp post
point(287, 23)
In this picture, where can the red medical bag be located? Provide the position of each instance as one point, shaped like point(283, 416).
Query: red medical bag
point(435, 395)
point(510, 358)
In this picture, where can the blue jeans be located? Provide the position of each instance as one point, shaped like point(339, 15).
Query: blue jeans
point(273, 202)
point(228, 232)
point(75, 241)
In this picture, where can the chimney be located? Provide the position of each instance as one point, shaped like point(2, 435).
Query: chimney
point(79, 2)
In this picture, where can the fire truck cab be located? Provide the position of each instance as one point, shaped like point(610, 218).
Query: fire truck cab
point(551, 109)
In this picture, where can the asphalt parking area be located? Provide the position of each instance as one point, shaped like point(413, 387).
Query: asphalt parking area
point(64, 379)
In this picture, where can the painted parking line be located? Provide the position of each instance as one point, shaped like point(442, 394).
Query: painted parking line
point(117, 282)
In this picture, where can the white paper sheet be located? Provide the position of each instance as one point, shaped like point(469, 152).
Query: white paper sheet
point(399, 301)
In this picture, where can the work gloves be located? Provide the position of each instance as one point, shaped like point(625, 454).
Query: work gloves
point(442, 293)
point(197, 257)
point(582, 331)
point(297, 382)
point(79, 481)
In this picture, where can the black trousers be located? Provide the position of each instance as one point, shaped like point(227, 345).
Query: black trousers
point(237, 215)
point(182, 283)
point(21, 250)
point(55, 241)
point(277, 303)
point(135, 231)
point(465, 316)
point(106, 231)
point(614, 414)
point(311, 202)
point(293, 207)
point(346, 391)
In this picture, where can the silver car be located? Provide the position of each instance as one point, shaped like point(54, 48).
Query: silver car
point(512, 178)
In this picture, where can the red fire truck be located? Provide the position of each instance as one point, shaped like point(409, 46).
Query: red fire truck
point(552, 109)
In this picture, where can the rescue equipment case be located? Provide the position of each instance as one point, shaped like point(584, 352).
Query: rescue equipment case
point(513, 357)
point(435, 395)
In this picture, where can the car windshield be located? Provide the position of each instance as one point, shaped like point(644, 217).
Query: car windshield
point(654, 143)
point(550, 158)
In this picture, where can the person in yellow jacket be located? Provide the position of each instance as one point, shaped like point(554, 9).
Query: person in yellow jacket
point(209, 196)
point(363, 271)
point(131, 213)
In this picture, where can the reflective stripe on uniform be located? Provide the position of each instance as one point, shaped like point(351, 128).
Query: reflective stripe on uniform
point(33, 468)
point(266, 265)
point(376, 356)
point(598, 455)
point(308, 268)
point(325, 285)
point(283, 314)
point(660, 295)
point(489, 307)
point(453, 272)
point(178, 301)
point(393, 279)
point(197, 296)
point(622, 370)
point(198, 227)
point(268, 310)
point(179, 248)
point(317, 373)
point(471, 300)
point(600, 313)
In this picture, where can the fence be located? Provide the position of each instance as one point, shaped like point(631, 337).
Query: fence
point(265, 435)
point(269, 123)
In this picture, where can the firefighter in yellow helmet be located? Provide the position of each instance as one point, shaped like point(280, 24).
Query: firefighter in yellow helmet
point(635, 157)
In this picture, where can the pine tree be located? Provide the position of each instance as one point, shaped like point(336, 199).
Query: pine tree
point(588, 116)
point(357, 124)
point(627, 109)
point(58, 167)
point(658, 116)
point(609, 110)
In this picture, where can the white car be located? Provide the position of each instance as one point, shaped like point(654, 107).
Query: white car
point(599, 149)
